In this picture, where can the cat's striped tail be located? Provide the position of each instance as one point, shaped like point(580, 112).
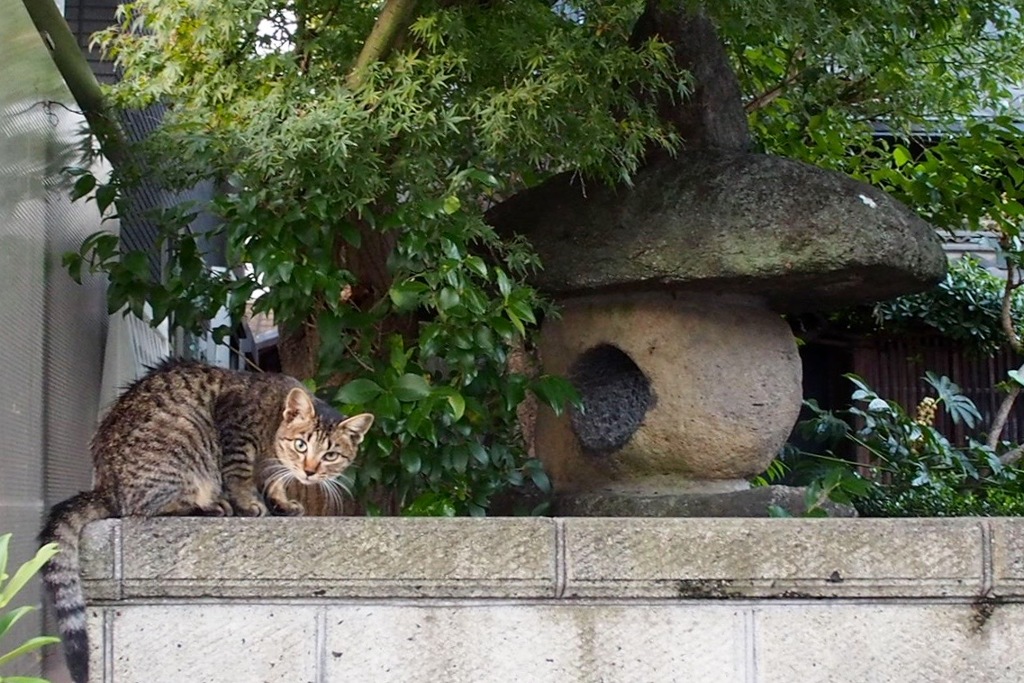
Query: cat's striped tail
point(62, 575)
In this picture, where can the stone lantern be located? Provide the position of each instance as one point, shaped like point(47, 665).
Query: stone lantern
point(671, 294)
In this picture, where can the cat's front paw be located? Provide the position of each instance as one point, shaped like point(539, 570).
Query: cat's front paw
point(252, 508)
point(218, 508)
point(290, 508)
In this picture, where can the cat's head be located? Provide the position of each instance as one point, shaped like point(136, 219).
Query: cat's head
point(314, 447)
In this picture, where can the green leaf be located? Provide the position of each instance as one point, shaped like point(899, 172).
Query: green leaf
point(136, 263)
point(406, 295)
point(522, 309)
point(73, 262)
point(387, 405)
point(477, 265)
point(557, 392)
point(30, 645)
point(358, 391)
point(11, 618)
point(26, 572)
point(478, 452)
point(482, 177)
point(105, 196)
point(460, 460)
point(540, 479)
point(83, 186)
point(411, 461)
point(410, 387)
point(398, 357)
point(901, 155)
point(430, 504)
point(5, 541)
point(879, 405)
point(449, 298)
point(458, 405)
point(452, 204)
point(504, 284)
point(516, 322)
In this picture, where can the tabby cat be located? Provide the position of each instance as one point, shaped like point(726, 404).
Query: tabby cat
point(190, 438)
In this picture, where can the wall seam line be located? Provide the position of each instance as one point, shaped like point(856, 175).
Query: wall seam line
point(320, 662)
point(750, 616)
point(118, 548)
point(987, 563)
point(108, 645)
point(560, 558)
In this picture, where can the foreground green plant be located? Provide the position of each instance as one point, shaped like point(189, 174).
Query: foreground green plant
point(9, 587)
point(916, 470)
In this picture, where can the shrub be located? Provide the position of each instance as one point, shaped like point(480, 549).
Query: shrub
point(915, 470)
point(9, 587)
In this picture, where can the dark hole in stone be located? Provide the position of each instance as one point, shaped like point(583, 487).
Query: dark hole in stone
point(616, 395)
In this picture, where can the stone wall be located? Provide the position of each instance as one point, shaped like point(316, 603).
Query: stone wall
point(572, 599)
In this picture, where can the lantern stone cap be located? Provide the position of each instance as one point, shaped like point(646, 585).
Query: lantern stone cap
point(801, 237)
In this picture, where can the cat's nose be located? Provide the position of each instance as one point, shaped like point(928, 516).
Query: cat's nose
point(309, 472)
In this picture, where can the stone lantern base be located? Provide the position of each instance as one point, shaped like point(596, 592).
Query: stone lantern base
point(752, 502)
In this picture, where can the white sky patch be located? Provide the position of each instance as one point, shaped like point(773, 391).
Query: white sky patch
point(274, 34)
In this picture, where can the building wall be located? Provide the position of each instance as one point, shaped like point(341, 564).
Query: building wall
point(139, 231)
point(51, 329)
point(86, 17)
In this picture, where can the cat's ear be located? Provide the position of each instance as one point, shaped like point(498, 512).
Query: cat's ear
point(298, 407)
point(355, 428)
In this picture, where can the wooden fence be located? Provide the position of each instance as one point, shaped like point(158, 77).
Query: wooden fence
point(895, 369)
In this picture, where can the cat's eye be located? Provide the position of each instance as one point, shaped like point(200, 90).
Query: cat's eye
point(300, 445)
point(330, 457)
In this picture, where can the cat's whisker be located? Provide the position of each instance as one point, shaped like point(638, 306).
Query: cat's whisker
point(271, 469)
point(279, 473)
point(345, 482)
point(328, 496)
point(333, 489)
point(268, 467)
point(342, 487)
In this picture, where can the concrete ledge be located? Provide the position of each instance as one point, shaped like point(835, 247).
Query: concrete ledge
point(781, 558)
point(319, 557)
point(552, 558)
point(551, 600)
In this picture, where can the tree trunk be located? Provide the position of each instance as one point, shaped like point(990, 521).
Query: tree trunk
point(299, 349)
point(712, 115)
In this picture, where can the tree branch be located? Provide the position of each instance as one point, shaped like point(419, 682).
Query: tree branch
point(1006, 314)
point(768, 96)
point(1012, 456)
point(1003, 413)
point(793, 74)
point(391, 21)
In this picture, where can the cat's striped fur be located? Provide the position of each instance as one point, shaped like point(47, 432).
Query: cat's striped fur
point(189, 438)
